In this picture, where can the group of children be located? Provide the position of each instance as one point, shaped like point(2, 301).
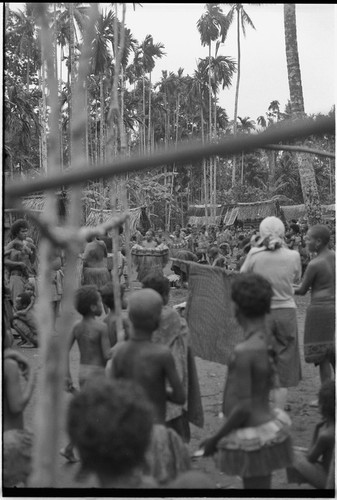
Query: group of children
point(128, 418)
point(118, 420)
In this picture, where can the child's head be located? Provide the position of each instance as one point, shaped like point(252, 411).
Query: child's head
point(87, 301)
point(29, 288)
point(19, 229)
point(145, 309)
point(17, 245)
point(22, 301)
point(108, 296)
point(317, 237)
point(213, 252)
point(326, 399)
point(251, 294)
point(110, 423)
point(159, 283)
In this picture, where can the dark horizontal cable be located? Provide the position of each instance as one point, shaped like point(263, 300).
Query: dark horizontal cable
point(185, 153)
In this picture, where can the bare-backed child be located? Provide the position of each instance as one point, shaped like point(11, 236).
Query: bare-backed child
point(313, 465)
point(152, 366)
point(254, 439)
point(108, 299)
point(93, 342)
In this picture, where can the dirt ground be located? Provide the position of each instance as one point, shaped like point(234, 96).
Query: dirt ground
point(212, 377)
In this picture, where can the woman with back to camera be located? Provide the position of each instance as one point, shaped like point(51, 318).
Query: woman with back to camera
point(282, 268)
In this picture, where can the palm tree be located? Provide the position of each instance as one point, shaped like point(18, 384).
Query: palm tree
point(245, 126)
point(211, 26)
point(26, 33)
point(307, 174)
point(101, 62)
point(243, 20)
point(222, 70)
point(149, 52)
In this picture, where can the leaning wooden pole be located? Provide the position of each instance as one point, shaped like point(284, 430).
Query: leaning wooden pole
point(54, 348)
point(127, 241)
point(47, 424)
point(115, 275)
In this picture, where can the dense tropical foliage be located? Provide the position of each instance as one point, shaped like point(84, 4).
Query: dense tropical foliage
point(155, 114)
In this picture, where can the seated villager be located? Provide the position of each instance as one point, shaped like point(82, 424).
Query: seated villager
point(312, 465)
point(24, 320)
point(215, 258)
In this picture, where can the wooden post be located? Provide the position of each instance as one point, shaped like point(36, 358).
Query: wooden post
point(127, 240)
point(115, 279)
point(50, 410)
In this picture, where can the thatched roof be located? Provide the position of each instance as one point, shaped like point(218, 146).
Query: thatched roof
point(298, 211)
point(196, 214)
point(97, 216)
point(199, 210)
point(246, 212)
point(34, 203)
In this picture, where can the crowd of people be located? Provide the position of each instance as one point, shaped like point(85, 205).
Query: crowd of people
point(129, 421)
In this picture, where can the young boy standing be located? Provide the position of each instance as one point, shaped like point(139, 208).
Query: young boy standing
point(93, 342)
point(90, 334)
point(152, 366)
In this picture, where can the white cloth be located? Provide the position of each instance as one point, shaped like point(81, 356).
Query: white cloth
point(282, 267)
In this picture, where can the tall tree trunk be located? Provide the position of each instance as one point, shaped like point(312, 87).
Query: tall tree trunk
point(43, 120)
point(149, 129)
point(101, 127)
point(272, 168)
point(61, 124)
point(242, 168)
point(144, 127)
point(305, 167)
point(204, 161)
point(72, 75)
point(211, 194)
point(236, 93)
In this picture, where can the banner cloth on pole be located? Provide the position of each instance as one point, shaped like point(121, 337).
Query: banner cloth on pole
point(210, 313)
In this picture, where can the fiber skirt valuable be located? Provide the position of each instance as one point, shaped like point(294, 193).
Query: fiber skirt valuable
point(319, 331)
point(257, 451)
point(98, 276)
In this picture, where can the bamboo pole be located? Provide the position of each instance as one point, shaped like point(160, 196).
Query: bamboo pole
point(54, 348)
point(115, 279)
point(115, 118)
point(127, 241)
point(49, 401)
point(183, 154)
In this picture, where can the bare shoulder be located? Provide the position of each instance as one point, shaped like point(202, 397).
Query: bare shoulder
point(78, 326)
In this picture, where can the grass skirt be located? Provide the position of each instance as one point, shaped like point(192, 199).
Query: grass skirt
point(167, 455)
point(98, 276)
point(319, 331)
point(257, 451)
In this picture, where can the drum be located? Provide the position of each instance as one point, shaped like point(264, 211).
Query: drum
point(147, 260)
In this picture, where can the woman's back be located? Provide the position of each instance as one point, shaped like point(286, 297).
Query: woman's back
point(282, 267)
